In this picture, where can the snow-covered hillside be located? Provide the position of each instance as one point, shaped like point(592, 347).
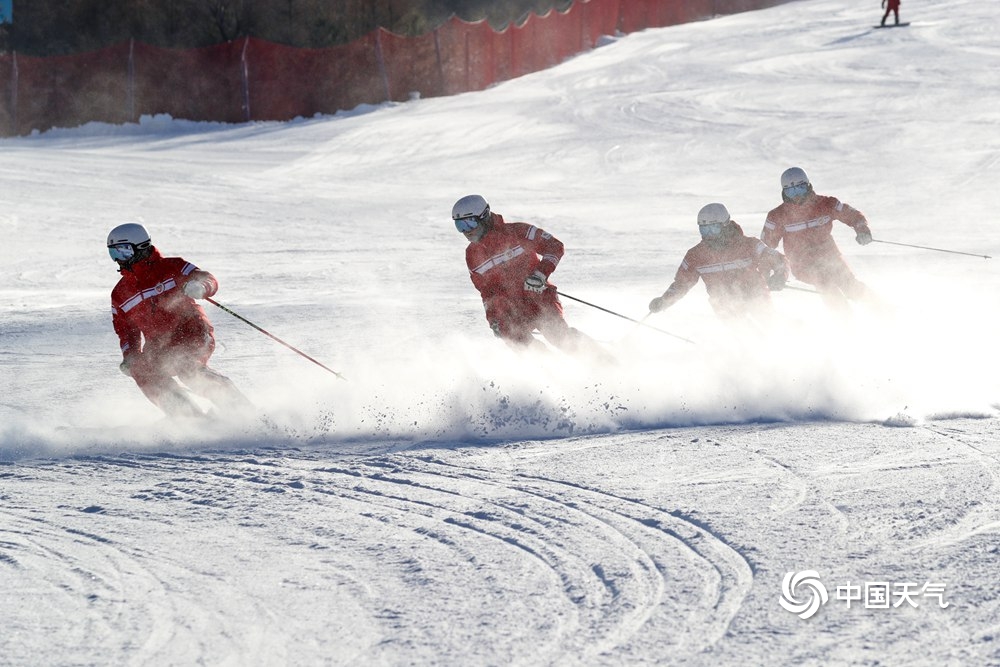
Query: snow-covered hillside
point(454, 503)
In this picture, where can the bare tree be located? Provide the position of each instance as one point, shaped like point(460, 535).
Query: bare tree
point(226, 17)
point(49, 27)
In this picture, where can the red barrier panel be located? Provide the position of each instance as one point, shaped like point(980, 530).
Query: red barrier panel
point(284, 81)
point(8, 94)
point(66, 91)
point(467, 59)
point(251, 79)
point(737, 6)
point(642, 14)
point(599, 18)
point(542, 42)
point(196, 84)
point(412, 64)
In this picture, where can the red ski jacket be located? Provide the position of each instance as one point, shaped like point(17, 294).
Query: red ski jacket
point(508, 253)
point(734, 274)
point(149, 301)
point(806, 229)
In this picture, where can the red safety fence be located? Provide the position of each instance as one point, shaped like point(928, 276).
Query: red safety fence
point(252, 79)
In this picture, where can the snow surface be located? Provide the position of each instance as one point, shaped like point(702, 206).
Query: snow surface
point(453, 503)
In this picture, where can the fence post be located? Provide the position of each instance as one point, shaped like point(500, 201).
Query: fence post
point(130, 82)
point(468, 62)
point(443, 88)
point(15, 125)
point(380, 58)
point(245, 74)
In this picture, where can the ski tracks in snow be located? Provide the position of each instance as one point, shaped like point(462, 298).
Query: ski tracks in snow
point(624, 566)
point(592, 550)
point(411, 557)
point(108, 596)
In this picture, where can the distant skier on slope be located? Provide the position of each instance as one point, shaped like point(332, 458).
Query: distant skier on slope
point(739, 271)
point(804, 223)
point(893, 7)
point(510, 263)
point(163, 332)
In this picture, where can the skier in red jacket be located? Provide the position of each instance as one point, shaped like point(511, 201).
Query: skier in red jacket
point(893, 6)
point(739, 272)
point(510, 263)
point(164, 334)
point(804, 223)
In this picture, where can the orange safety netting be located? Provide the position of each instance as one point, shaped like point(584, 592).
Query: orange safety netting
point(252, 79)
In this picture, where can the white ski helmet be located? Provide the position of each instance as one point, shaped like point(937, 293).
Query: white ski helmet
point(713, 214)
point(129, 242)
point(470, 206)
point(472, 217)
point(795, 185)
point(713, 219)
point(794, 176)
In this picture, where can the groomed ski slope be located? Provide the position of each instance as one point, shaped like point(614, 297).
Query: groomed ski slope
point(452, 503)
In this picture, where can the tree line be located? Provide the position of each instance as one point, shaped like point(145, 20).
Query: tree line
point(57, 27)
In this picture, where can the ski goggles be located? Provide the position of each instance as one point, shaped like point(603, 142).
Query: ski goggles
point(121, 252)
point(712, 230)
point(465, 225)
point(797, 190)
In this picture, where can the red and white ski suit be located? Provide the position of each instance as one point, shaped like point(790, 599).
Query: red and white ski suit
point(735, 274)
point(891, 7)
point(164, 333)
point(498, 265)
point(805, 229)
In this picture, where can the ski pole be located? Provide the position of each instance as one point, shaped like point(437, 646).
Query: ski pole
point(624, 317)
point(923, 247)
point(272, 336)
point(801, 289)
